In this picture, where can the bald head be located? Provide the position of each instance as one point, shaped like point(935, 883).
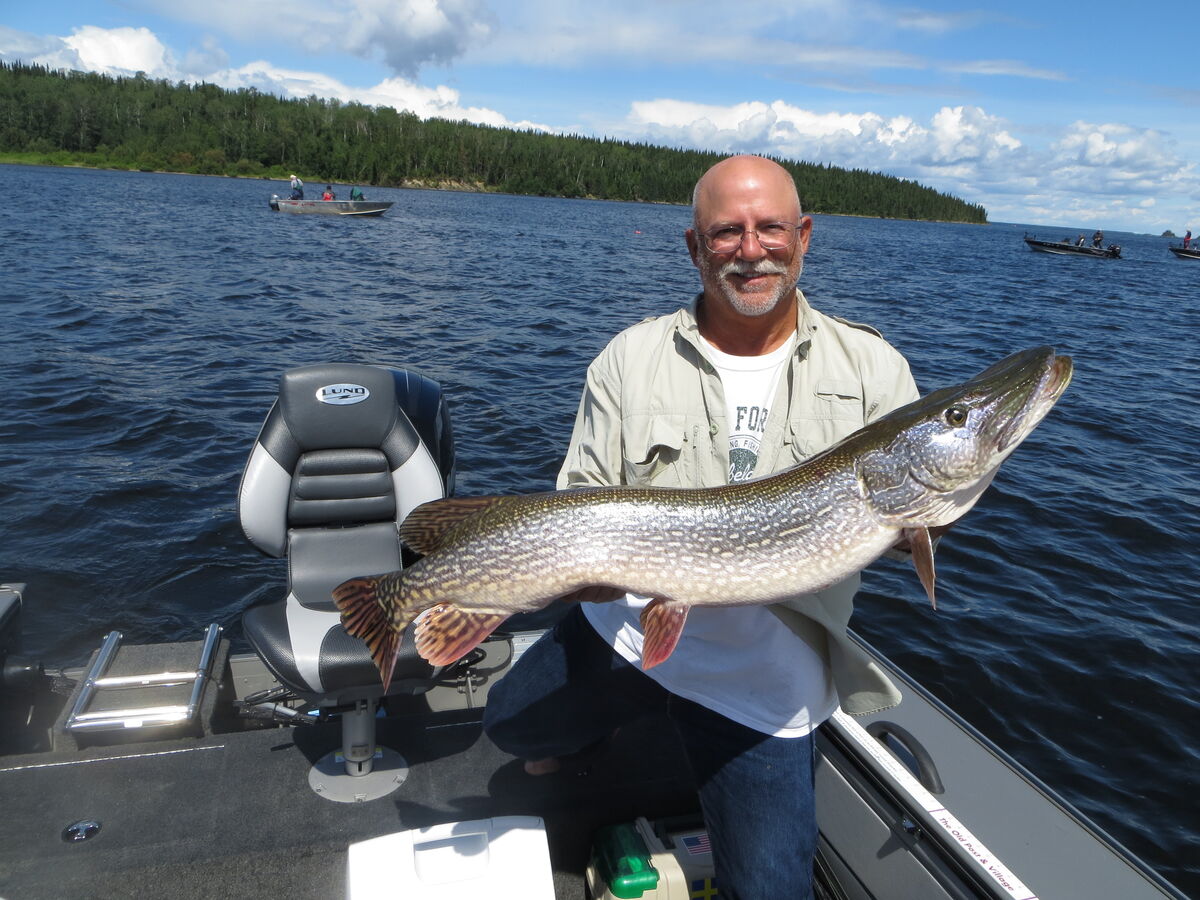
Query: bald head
point(740, 176)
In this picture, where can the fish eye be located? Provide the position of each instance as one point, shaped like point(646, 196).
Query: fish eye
point(956, 416)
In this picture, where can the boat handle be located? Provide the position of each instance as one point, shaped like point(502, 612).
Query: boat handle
point(927, 772)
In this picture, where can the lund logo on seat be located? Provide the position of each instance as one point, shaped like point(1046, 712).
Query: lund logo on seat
point(342, 394)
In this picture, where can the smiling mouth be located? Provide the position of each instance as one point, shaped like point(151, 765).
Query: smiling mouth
point(750, 281)
point(751, 276)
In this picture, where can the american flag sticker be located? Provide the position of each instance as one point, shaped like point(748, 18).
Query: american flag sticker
point(696, 844)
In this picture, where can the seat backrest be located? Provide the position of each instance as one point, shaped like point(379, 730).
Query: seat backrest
point(344, 445)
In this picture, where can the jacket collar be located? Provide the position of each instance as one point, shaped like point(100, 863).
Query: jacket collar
point(688, 326)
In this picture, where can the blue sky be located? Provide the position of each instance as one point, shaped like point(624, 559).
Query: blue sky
point(1073, 115)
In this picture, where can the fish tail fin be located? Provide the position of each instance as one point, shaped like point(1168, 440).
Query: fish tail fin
point(662, 623)
point(446, 633)
point(369, 612)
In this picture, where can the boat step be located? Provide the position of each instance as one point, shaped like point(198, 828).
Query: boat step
point(138, 693)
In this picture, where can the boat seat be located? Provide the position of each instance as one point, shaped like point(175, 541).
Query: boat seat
point(345, 453)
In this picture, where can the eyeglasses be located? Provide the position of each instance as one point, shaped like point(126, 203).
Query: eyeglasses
point(728, 238)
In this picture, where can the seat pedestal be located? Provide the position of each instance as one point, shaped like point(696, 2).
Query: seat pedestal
point(329, 779)
point(361, 770)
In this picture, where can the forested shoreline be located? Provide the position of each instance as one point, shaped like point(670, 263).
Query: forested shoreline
point(77, 118)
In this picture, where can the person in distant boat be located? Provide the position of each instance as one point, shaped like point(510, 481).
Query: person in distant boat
point(746, 381)
point(356, 194)
point(1079, 241)
point(329, 194)
point(1187, 239)
point(297, 188)
point(1097, 238)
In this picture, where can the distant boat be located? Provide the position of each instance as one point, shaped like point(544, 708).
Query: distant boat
point(1066, 248)
point(1185, 252)
point(331, 207)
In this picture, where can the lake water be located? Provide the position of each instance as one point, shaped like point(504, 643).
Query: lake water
point(147, 318)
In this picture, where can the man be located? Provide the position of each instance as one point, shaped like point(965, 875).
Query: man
point(747, 381)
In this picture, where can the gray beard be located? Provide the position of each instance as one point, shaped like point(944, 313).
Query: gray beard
point(760, 305)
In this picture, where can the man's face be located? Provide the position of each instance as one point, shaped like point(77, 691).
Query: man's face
point(751, 279)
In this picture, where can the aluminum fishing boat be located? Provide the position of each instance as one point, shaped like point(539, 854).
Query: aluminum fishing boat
point(185, 770)
point(1185, 252)
point(331, 207)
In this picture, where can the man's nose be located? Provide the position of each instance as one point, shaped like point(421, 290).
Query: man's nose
point(750, 248)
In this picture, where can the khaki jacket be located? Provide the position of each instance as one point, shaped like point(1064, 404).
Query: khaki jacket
point(653, 413)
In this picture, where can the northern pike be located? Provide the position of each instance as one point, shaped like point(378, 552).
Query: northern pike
point(761, 541)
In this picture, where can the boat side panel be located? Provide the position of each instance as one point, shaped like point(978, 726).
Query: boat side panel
point(1012, 815)
point(880, 858)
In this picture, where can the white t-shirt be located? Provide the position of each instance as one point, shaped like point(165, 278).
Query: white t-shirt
point(716, 662)
point(749, 383)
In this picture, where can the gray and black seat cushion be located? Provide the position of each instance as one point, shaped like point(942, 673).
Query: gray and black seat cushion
point(345, 453)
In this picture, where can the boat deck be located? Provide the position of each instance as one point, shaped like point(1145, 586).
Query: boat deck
point(232, 815)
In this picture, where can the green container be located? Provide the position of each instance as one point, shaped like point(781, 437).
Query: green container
point(623, 862)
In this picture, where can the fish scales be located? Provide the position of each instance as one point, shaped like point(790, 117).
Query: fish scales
point(673, 543)
point(759, 541)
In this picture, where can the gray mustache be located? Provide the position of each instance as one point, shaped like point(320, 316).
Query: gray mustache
point(757, 267)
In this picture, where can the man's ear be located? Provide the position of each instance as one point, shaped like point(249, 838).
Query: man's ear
point(805, 232)
point(693, 245)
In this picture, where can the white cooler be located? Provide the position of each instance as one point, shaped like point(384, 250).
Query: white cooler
point(506, 858)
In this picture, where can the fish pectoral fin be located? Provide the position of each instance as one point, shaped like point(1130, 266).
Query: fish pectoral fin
point(920, 542)
point(662, 623)
point(423, 528)
point(446, 634)
point(594, 593)
point(368, 614)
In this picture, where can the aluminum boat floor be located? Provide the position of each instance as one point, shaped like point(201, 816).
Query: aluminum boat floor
point(232, 815)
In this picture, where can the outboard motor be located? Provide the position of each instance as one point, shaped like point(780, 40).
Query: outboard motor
point(17, 674)
point(345, 453)
point(21, 679)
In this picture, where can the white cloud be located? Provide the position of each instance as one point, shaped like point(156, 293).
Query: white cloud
point(426, 102)
point(1010, 67)
point(208, 57)
point(955, 134)
point(406, 34)
point(113, 51)
point(572, 42)
point(23, 46)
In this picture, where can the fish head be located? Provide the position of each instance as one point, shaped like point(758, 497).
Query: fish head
point(930, 460)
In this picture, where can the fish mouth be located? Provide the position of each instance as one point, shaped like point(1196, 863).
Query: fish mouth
point(1053, 375)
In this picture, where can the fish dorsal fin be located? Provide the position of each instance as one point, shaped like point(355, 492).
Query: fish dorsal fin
point(425, 526)
point(662, 622)
point(446, 633)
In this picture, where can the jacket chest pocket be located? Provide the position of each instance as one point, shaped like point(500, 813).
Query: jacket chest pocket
point(658, 450)
point(836, 412)
point(839, 399)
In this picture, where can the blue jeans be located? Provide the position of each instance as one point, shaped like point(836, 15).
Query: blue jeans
point(570, 690)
